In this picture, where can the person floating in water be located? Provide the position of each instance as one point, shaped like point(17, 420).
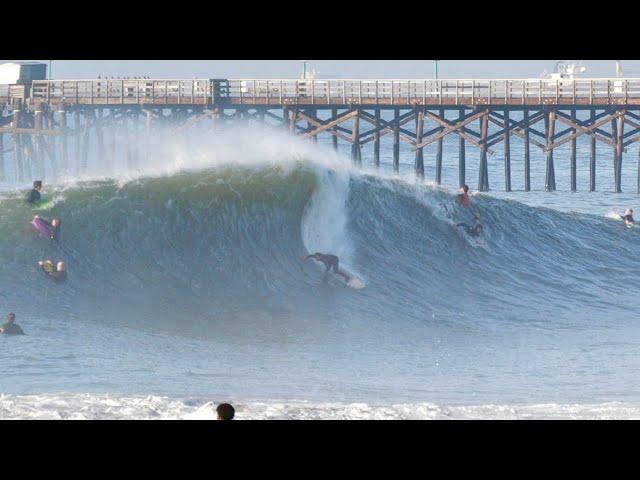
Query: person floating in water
point(11, 328)
point(34, 195)
point(49, 228)
point(57, 272)
point(463, 197)
point(474, 230)
point(331, 262)
point(628, 217)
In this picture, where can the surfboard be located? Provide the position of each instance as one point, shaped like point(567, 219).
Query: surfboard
point(354, 282)
point(44, 205)
point(618, 217)
point(41, 227)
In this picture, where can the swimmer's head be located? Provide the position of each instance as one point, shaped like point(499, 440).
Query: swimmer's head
point(628, 211)
point(225, 411)
point(37, 185)
point(11, 318)
point(60, 266)
point(465, 188)
point(55, 221)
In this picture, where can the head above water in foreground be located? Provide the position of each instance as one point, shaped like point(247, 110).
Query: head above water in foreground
point(11, 318)
point(37, 185)
point(225, 411)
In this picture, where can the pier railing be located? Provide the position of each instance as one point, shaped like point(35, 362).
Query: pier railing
point(594, 91)
point(123, 91)
point(446, 92)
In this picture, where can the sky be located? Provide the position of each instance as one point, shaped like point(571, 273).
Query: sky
point(399, 69)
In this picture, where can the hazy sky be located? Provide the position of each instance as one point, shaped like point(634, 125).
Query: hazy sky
point(327, 68)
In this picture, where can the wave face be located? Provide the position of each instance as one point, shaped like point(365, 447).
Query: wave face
point(216, 250)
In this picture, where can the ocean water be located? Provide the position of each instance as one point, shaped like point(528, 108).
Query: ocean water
point(186, 288)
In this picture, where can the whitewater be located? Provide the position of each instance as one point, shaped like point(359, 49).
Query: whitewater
point(186, 288)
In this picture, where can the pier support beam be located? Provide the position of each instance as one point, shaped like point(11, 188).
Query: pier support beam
point(419, 160)
point(507, 153)
point(592, 156)
point(64, 153)
point(51, 145)
point(550, 177)
point(376, 139)
point(334, 138)
point(462, 167)
point(638, 176)
point(618, 153)
point(483, 171)
point(3, 174)
point(572, 153)
point(38, 149)
point(396, 141)
point(356, 154)
point(102, 153)
point(527, 158)
point(84, 160)
point(614, 135)
point(78, 138)
point(439, 152)
point(17, 146)
point(147, 136)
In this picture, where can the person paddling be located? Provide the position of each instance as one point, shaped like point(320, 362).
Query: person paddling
point(628, 217)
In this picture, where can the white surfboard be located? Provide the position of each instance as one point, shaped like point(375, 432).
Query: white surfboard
point(354, 282)
point(616, 216)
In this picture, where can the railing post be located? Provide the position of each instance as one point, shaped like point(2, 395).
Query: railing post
point(540, 92)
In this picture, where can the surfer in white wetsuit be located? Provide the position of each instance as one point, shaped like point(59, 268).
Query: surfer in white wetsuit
point(331, 262)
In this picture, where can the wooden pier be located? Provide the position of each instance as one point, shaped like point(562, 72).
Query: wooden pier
point(46, 118)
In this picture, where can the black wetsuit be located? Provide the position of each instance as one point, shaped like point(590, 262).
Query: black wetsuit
point(33, 196)
point(11, 329)
point(331, 262)
point(473, 231)
point(628, 218)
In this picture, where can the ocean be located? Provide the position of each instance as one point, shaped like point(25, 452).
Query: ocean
point(186, 287)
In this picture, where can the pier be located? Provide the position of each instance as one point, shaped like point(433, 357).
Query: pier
point(47, 124)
